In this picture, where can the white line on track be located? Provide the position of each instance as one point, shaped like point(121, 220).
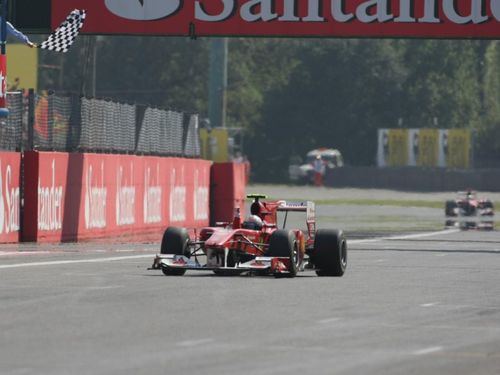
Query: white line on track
point(26, 253)
point(405, 237)
point(189, 343)
point(64, 262)
point(329, 320)
point(430, 350)
point(114, 259)
point(428, 304)
point(104, 287)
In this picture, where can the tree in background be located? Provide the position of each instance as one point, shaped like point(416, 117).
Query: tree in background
point(488, 132)
point(443, 83)
point(166, 72)
point(339, 93)
point(292, 95)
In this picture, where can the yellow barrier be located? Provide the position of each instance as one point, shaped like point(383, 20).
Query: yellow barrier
point(398, 147)
point(428, 148)
point(22, 67)
point(214, 145)
point(459, 143)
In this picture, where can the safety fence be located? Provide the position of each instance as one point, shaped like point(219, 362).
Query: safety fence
point(69, 123)
point(11, 127)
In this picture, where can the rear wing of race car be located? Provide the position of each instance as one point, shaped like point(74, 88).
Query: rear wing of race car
point(308, 207)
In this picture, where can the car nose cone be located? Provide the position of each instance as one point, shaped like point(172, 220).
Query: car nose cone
point(144, 10)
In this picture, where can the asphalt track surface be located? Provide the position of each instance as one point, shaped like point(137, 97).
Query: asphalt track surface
point(419, 303)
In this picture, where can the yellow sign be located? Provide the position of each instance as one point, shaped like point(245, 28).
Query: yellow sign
point(398, 147)
point(458, 150)
point(22, 67)
point(214, 144)
point(428, 147)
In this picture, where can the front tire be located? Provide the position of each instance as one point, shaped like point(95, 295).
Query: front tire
point(282, 244)
point(449, 208)
point(175, 241)
point(330, 252)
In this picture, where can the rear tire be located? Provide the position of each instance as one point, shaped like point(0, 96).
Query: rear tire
point(330, 252)
point(282, 244)
point(175, 241)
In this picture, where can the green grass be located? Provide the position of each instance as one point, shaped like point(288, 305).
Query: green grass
point(375, 202)
point(382, 202)
point(382, 223)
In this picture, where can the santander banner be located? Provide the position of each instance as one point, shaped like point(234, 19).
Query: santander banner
point(81, 196)
point(9, 196)
point(292, 18)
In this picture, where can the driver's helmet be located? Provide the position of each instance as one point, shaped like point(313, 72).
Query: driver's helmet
point(253, 222)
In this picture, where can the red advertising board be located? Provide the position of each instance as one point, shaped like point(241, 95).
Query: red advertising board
point(10, 163)
point(83, 196)
point(291, 18)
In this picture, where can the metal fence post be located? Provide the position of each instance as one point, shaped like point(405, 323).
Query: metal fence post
point(140, 112)
point(31, 119)
point(75, 124)
point(50, 120)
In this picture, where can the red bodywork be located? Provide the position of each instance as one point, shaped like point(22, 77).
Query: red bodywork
point(235, 247)
point(235, 237)
point(468, 211)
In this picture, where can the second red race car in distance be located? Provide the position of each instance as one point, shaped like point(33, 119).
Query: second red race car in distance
point(256, 245)
point(467, 211)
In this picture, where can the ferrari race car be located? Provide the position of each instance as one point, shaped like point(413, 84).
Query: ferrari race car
point(467, 211)
point(256, 245)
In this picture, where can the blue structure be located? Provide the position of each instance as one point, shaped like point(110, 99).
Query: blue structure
point(4, 111)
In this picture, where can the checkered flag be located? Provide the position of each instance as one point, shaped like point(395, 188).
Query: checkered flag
point(64, 36)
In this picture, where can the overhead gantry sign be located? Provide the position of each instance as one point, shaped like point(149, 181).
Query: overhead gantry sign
point(291, 18)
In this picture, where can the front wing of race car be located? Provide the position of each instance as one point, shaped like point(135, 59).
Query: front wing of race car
point(476, 221)
point(261, 265)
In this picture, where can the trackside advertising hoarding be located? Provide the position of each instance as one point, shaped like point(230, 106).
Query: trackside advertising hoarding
point(10, 163)
point(83, 196)
point(292, 18)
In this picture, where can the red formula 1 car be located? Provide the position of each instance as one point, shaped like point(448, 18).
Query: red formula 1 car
point(467, 211)
point(256, 245)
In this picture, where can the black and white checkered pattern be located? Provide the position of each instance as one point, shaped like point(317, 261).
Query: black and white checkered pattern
point(64, 36)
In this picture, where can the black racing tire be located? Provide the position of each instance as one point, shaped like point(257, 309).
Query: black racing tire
point(282, 244)
point(175, 241)
point(449, 223)
point(489, 204)
point(330, 252)
point(450, 207)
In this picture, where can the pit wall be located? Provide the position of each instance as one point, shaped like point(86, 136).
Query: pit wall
point(228, 182)
point(71, 197)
